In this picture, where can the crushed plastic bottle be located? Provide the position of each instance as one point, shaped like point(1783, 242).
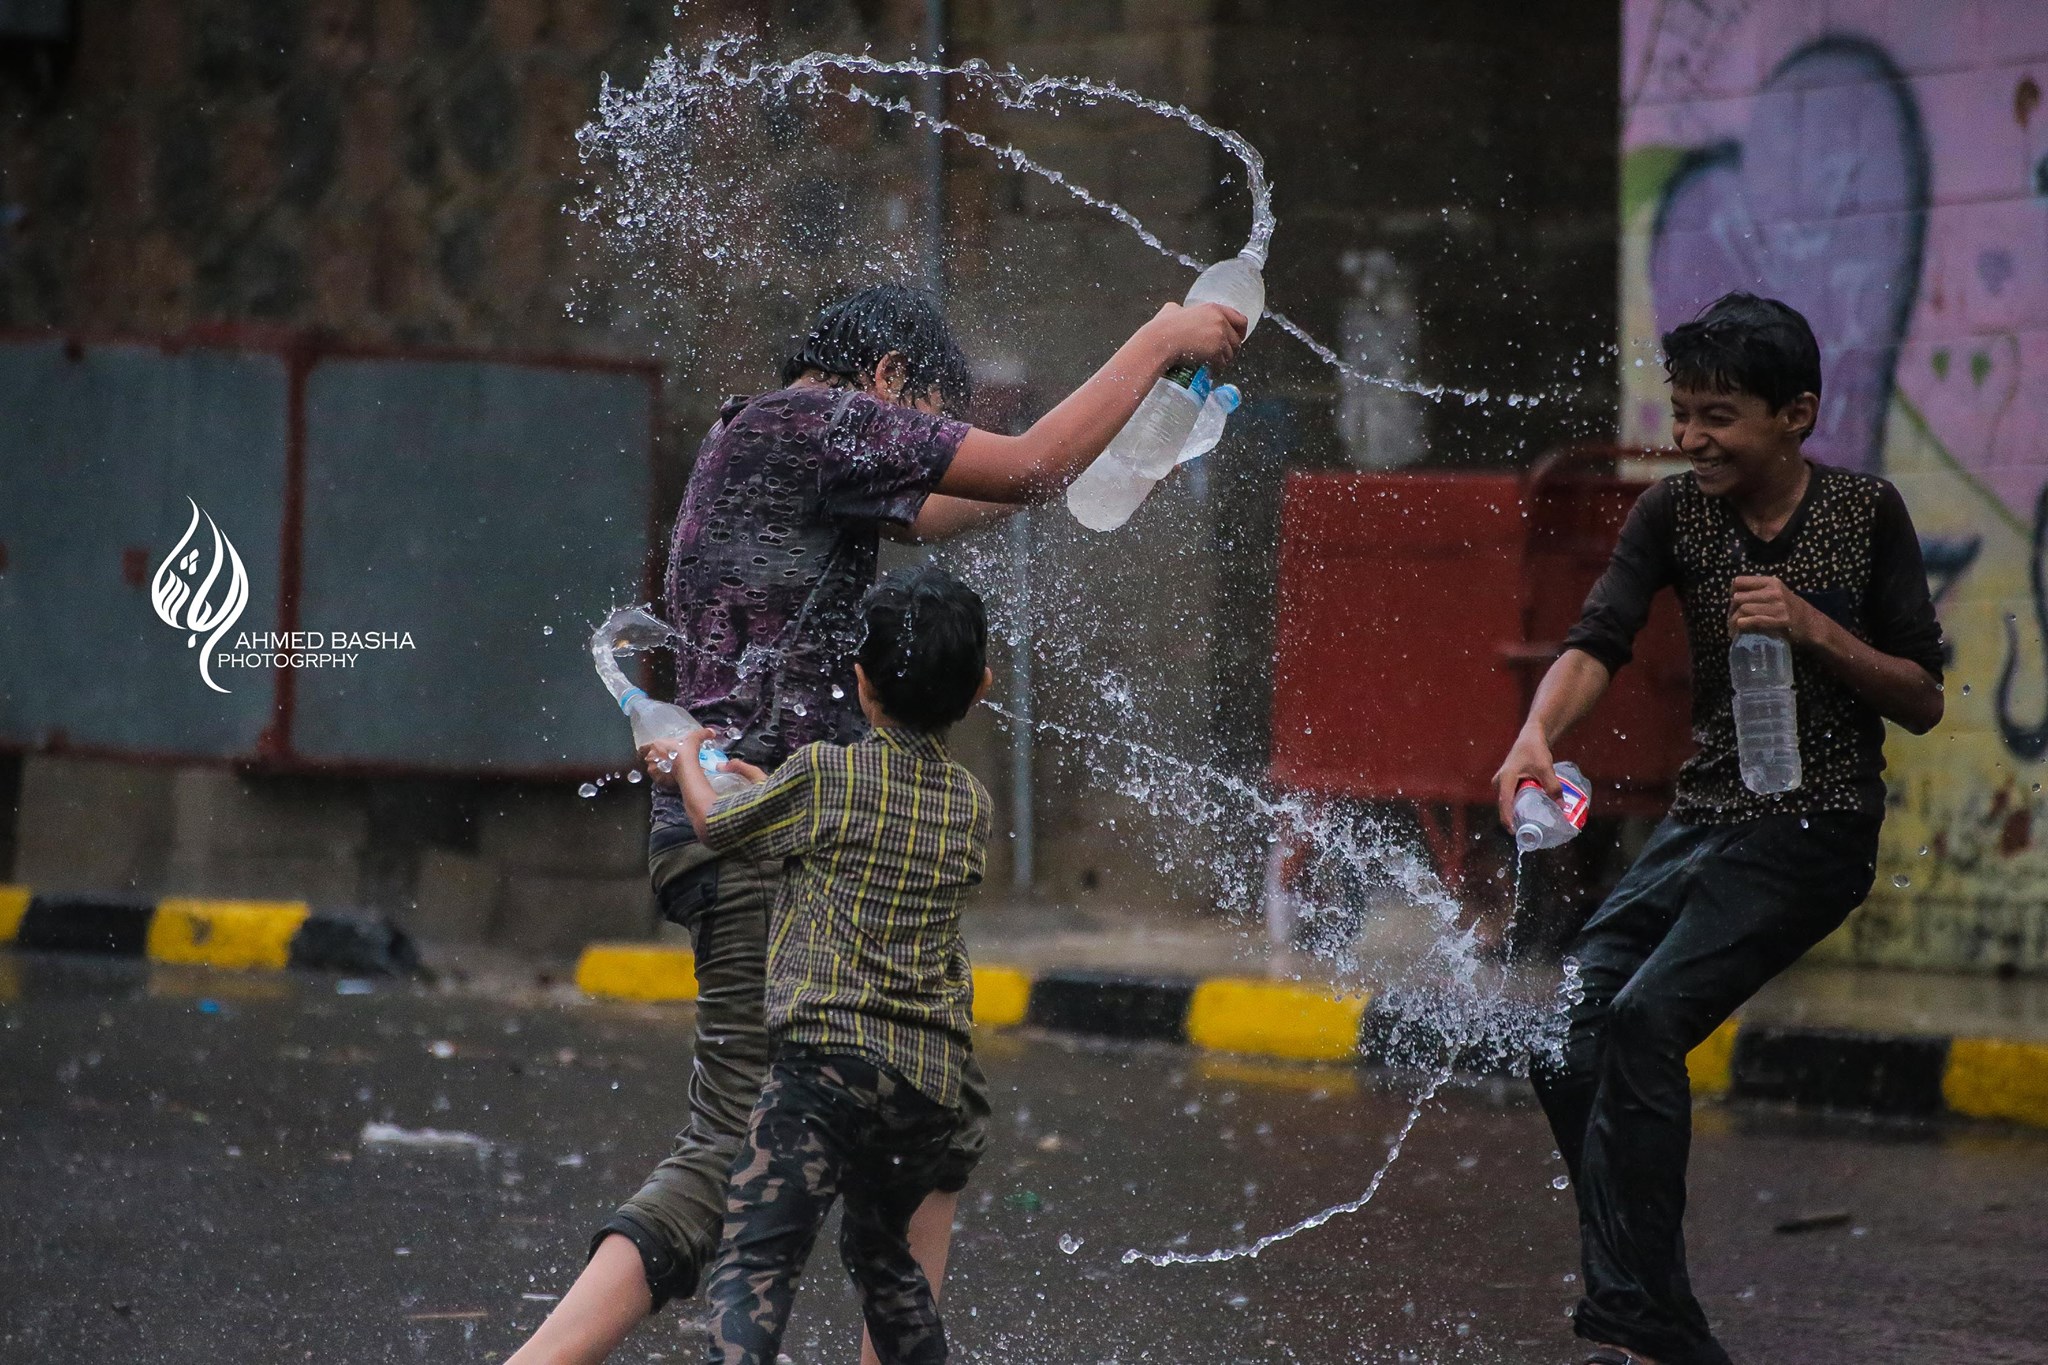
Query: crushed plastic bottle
point(635, 628)
point(1766, 713)
point(1543, 823)
point(1216, 409)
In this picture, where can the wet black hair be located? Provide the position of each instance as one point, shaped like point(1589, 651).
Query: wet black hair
point(925, 647)
point(849, 338)
point(1744, 344)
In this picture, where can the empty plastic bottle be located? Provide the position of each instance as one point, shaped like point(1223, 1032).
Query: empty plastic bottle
point(1766, 712)
point(1161, 430)
point(651, 720)
point(1543, 823)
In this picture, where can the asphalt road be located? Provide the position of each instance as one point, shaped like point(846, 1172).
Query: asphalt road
point(185, 1175)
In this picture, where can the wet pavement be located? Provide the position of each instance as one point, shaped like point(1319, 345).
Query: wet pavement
point(183, 1164)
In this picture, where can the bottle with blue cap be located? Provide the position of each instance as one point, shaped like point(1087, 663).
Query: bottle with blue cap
point(632, 629)
point(1181, 419)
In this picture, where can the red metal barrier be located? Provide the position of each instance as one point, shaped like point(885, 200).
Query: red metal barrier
point(1416, 614)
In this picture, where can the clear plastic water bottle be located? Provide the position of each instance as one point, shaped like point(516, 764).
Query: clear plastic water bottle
point(1184, 425)
point(651, 720)
point(1766, 712)
point(1543, 823)
point(1154, 440)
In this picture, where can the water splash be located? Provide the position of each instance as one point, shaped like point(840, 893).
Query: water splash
point(1444, 1010)
point(675, 189)
point(671, 182)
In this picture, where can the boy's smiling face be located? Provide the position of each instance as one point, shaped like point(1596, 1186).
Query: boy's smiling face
point(1735, 443)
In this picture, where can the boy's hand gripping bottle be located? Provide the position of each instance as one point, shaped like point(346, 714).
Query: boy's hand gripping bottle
point(634, 628)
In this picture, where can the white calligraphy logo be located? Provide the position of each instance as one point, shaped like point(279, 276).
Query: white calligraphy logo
point(183, 605)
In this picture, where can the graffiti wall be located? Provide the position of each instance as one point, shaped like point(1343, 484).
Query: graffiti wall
point(1883, 167)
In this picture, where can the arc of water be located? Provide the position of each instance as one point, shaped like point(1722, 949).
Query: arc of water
point(1013, 89)
point(1252, 1250)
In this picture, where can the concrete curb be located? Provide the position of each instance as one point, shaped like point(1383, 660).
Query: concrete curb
point(234, 934)
point(1881, 1075)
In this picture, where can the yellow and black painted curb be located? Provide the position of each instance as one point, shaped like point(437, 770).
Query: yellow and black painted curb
point(241, 934)
point(1886, 1075)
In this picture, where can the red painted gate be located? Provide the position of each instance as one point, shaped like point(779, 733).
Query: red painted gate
point(1416, 614)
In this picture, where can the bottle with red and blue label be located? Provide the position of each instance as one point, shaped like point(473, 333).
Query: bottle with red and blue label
point(1543, 823)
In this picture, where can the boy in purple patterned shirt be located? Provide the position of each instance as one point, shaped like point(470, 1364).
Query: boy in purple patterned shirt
point(776, 541)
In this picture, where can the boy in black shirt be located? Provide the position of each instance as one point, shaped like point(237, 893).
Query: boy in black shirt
point(1734, 886)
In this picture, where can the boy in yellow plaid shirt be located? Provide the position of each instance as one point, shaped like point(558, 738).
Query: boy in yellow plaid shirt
point(870, 996)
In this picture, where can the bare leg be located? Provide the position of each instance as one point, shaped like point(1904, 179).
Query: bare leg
point(931, 1237)
point(609, 1299)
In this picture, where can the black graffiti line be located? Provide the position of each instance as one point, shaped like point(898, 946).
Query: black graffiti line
point(2026, 742)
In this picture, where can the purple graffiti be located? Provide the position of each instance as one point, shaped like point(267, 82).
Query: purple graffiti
point(1822, 203)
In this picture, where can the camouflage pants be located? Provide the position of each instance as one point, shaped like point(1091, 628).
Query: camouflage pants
point(830, 1127)
point(675, 1217)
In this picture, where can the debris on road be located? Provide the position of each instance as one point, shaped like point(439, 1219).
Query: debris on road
point(1814, 1222)
point(422, 1139)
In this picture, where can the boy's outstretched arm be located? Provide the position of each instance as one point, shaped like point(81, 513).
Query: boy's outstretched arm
point(1567, 694)
point(1038, 464)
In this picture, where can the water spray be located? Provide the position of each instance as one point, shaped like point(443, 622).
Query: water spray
point(635, 629)
point(628, 118)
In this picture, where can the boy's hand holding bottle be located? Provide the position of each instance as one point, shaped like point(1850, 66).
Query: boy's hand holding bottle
point(1198, 333)
point(664, 760)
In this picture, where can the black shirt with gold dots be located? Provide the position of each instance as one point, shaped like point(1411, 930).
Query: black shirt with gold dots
point(1849, 550)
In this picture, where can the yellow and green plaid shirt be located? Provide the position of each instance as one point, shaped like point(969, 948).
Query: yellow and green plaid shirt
point(884, 839)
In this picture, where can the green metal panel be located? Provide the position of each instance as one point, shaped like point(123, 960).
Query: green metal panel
point(101, 447)
point(475, 507)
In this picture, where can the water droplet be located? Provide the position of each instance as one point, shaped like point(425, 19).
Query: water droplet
point(587, 790)
point(1069, 1243)
point(633, 776)
point(1923, 850)
point(1901, 880)
point(1559, 1182)
point(1802, 822)
point(798, 708)
point(838, 692)
point(666, 765)
point(547, 630)
point(1966, 689)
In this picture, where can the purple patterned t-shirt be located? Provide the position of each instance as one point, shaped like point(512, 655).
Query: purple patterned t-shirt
point(776, 541)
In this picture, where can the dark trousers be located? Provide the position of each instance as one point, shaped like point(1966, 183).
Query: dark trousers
point(830, 1127)
point(1704, 918)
